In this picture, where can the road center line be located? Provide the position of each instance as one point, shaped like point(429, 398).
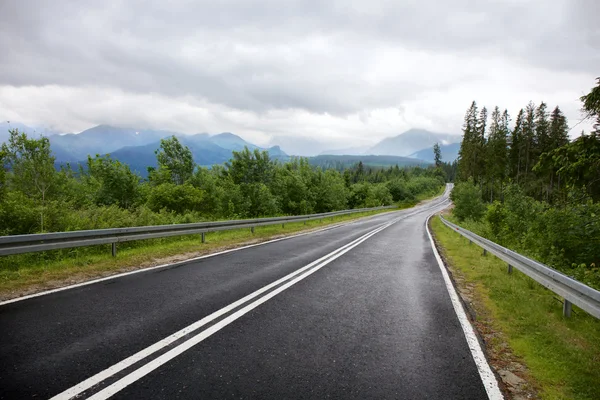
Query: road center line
point(128, 362)
point(159, 361)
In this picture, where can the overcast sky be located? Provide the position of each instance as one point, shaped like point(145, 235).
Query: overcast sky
point(345, 73)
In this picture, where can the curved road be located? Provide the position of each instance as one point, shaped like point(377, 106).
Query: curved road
point(356, 311)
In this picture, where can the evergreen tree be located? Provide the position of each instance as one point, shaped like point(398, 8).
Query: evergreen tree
point(496, 151)
point(529, 143)
point(479, 147)
point(466, 154)
point(516, 148)
point(542, 130)
point(437, 155)
point(559, 129)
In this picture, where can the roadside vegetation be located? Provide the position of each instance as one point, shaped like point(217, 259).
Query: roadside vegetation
point(531, 189)
point(522, 323)
point(36, 197)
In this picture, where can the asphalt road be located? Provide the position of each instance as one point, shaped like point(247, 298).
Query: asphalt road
point(358, 311)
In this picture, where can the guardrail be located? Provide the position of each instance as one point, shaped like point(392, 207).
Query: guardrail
point(573, 292)
point(19, 244)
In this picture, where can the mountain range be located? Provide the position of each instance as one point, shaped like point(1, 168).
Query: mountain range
point(136, 147)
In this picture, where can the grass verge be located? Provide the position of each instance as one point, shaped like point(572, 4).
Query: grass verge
point(533, 347)
point(29, 273)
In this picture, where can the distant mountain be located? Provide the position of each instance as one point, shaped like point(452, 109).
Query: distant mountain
point(345, 161)
point(449, 153)
point(30, 131)
point(411, 141)
point(204, 148)
point(102, 139)
point(349, 151)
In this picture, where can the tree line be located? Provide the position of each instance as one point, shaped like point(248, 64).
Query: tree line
point(530, 187)
point(36, 197)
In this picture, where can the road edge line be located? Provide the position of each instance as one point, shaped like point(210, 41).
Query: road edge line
point(486, 374)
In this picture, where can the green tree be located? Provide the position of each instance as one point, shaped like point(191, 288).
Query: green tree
point(175, 161)
point(437, 155)
point(497, 152)
point(517, 148)
point(467, 155)
point(32, 168)
point(113, 181)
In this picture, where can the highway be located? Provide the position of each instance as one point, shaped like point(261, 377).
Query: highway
point(357, 311)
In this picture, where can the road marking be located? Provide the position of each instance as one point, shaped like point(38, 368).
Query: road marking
point(142, 371)
point(137, 271)
point(485, 371)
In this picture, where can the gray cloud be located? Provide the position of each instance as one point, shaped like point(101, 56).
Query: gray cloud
point(328, 58)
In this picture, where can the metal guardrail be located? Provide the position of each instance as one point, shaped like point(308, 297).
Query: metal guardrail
point(573, 292)
point(19, 244)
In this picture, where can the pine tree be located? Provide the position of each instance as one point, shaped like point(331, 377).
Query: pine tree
point(466, 153)
point(516, 148)
point(529, 142)
point(542, 129)
point(437, 155)
point(479, 147)
point(559, 129)
point(496, 151)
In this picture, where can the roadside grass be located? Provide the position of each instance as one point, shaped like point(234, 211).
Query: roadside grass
point(561, 354)
point(29, 273)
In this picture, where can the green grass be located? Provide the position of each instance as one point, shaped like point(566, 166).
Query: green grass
point(25, 273)
point(562, 354)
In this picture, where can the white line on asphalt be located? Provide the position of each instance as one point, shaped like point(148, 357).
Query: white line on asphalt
point(137, 271)
point(103, 375)
point(485, 372)
point(157, 362)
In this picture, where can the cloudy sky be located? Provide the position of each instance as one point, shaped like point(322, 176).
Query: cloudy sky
point(343, 73)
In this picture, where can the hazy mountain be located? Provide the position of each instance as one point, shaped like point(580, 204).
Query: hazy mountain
point(102, 139)
point(204, 148)
point(449, 153)
point(5, 126)
point(411, 141)
point(344, 161)
point(350, 151)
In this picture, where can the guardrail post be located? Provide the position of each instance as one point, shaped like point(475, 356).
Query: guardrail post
point(114, 249)
point(484, 252)
point(510, 267)
point(252, 229)
point(567, 308)
point(282, 226)
point(203, 238)
point(304, 222)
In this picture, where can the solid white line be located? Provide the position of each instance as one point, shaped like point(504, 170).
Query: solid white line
point(485, 372)
point(101, 376)
point(164, 358)
point(137, 271)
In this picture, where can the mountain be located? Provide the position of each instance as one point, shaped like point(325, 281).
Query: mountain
point(30, 131)
point(102, 139)
point(411, 141)
point(344, 161)
point(350, 151)
point(205, 149)
point(449, 153)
